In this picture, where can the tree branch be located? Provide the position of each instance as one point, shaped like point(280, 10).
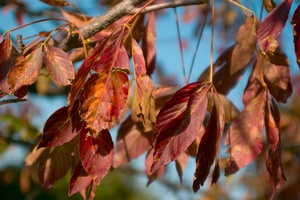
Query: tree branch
point(126, 7)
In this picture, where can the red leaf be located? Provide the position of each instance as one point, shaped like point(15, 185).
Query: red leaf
point(244, 135)
point(58, 64)
point(80, 180)
point(209, 146)
point(56, 2)
point(178, 122)
point(272, 26)
point(132, 142)
point(157, 174)
point(96, 153)
point(148, 43)
point(103, 99)
point(61, 128)
point(276, 72)
point(8, 58)
point(143, 105)
point(273, 155)
point(82, 74)
point(181, 163)
point(296, 32)
point(25, 71)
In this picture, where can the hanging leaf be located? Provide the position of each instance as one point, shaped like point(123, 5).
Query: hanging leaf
point(209, 146)
point(61, 128)
point(269, 5)
point(132, 142)
point(75, 18)
point(8, 58)
point(56, 2)
point(157, 174)
point(178, 122)
point(96, 153)
point(273, 155)
point(58, 64)
point(296, 32)
point(181, 163)
point(244, 135)
point(143, 105)
point(25, 71)
point(148, 43)
point(80, 181)
point(82, 74)
point(272, 26)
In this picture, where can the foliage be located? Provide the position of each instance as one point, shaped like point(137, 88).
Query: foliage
point(168, 123)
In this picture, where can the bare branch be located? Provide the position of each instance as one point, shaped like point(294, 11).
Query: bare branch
point(126, 7)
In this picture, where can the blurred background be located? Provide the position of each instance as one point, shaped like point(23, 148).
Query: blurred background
point(22, 123)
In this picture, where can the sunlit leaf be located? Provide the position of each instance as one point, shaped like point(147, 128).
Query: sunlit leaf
point(25, 71)
point(276, 72)
point(272, 26)
point(56, 2)
point(58, 64)
point(96, 153)
point(148, 43)
point(143, 106)
point(178, 123)
point(269, 5)
point(245, 135)
point(296, 32)
point(82, 74)
point(273, 155)
point(131, 142)
point(60, 127)
point(8, 58)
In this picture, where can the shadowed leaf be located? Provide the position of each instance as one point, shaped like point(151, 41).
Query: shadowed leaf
point(269, 5)
point(272, 26)
point(181, 163)
point(245, 135)
point(56, 2)
point(60, 127)
point(58, 64)
point(143, 106)
point(8, 58)
point(96, 153)
point(296, 32)
point(25, 71)
point(178, 122)
point(157, 174)
point(148, 43)
point(131, 142)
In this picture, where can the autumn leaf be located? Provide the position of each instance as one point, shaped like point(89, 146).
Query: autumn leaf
point(53, 163)
point(96, 153)
point(272, 26)
point(209, 146)
point(8, 58)
point(82, 74)
point(148, 43)
point(132, 142)
point(76, 19)
point(80, 181)
point(25, 71)
point(60, 127)
point(245, 135)
point(269, 5)
point(58, 64)
point(276, 72)
point(273, 154)
point(143, 105)
point(178, 122)
point(157, 174)
point(296, 32)
point(181, 163)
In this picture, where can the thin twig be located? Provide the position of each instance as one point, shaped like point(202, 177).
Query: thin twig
point(11, 101)
point(212, 40)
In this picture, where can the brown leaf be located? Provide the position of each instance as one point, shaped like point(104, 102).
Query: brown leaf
point(25, 71)
point(269, 5)
point(56, 2)
point(58, 64)
point(181, 163)
point(296, 32)
point(76, 18)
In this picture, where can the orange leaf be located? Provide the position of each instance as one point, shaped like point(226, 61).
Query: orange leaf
point(25, 71)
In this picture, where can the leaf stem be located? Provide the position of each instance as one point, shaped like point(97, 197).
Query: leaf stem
point(180, 46)
point(211, 68)
point(138, 12)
